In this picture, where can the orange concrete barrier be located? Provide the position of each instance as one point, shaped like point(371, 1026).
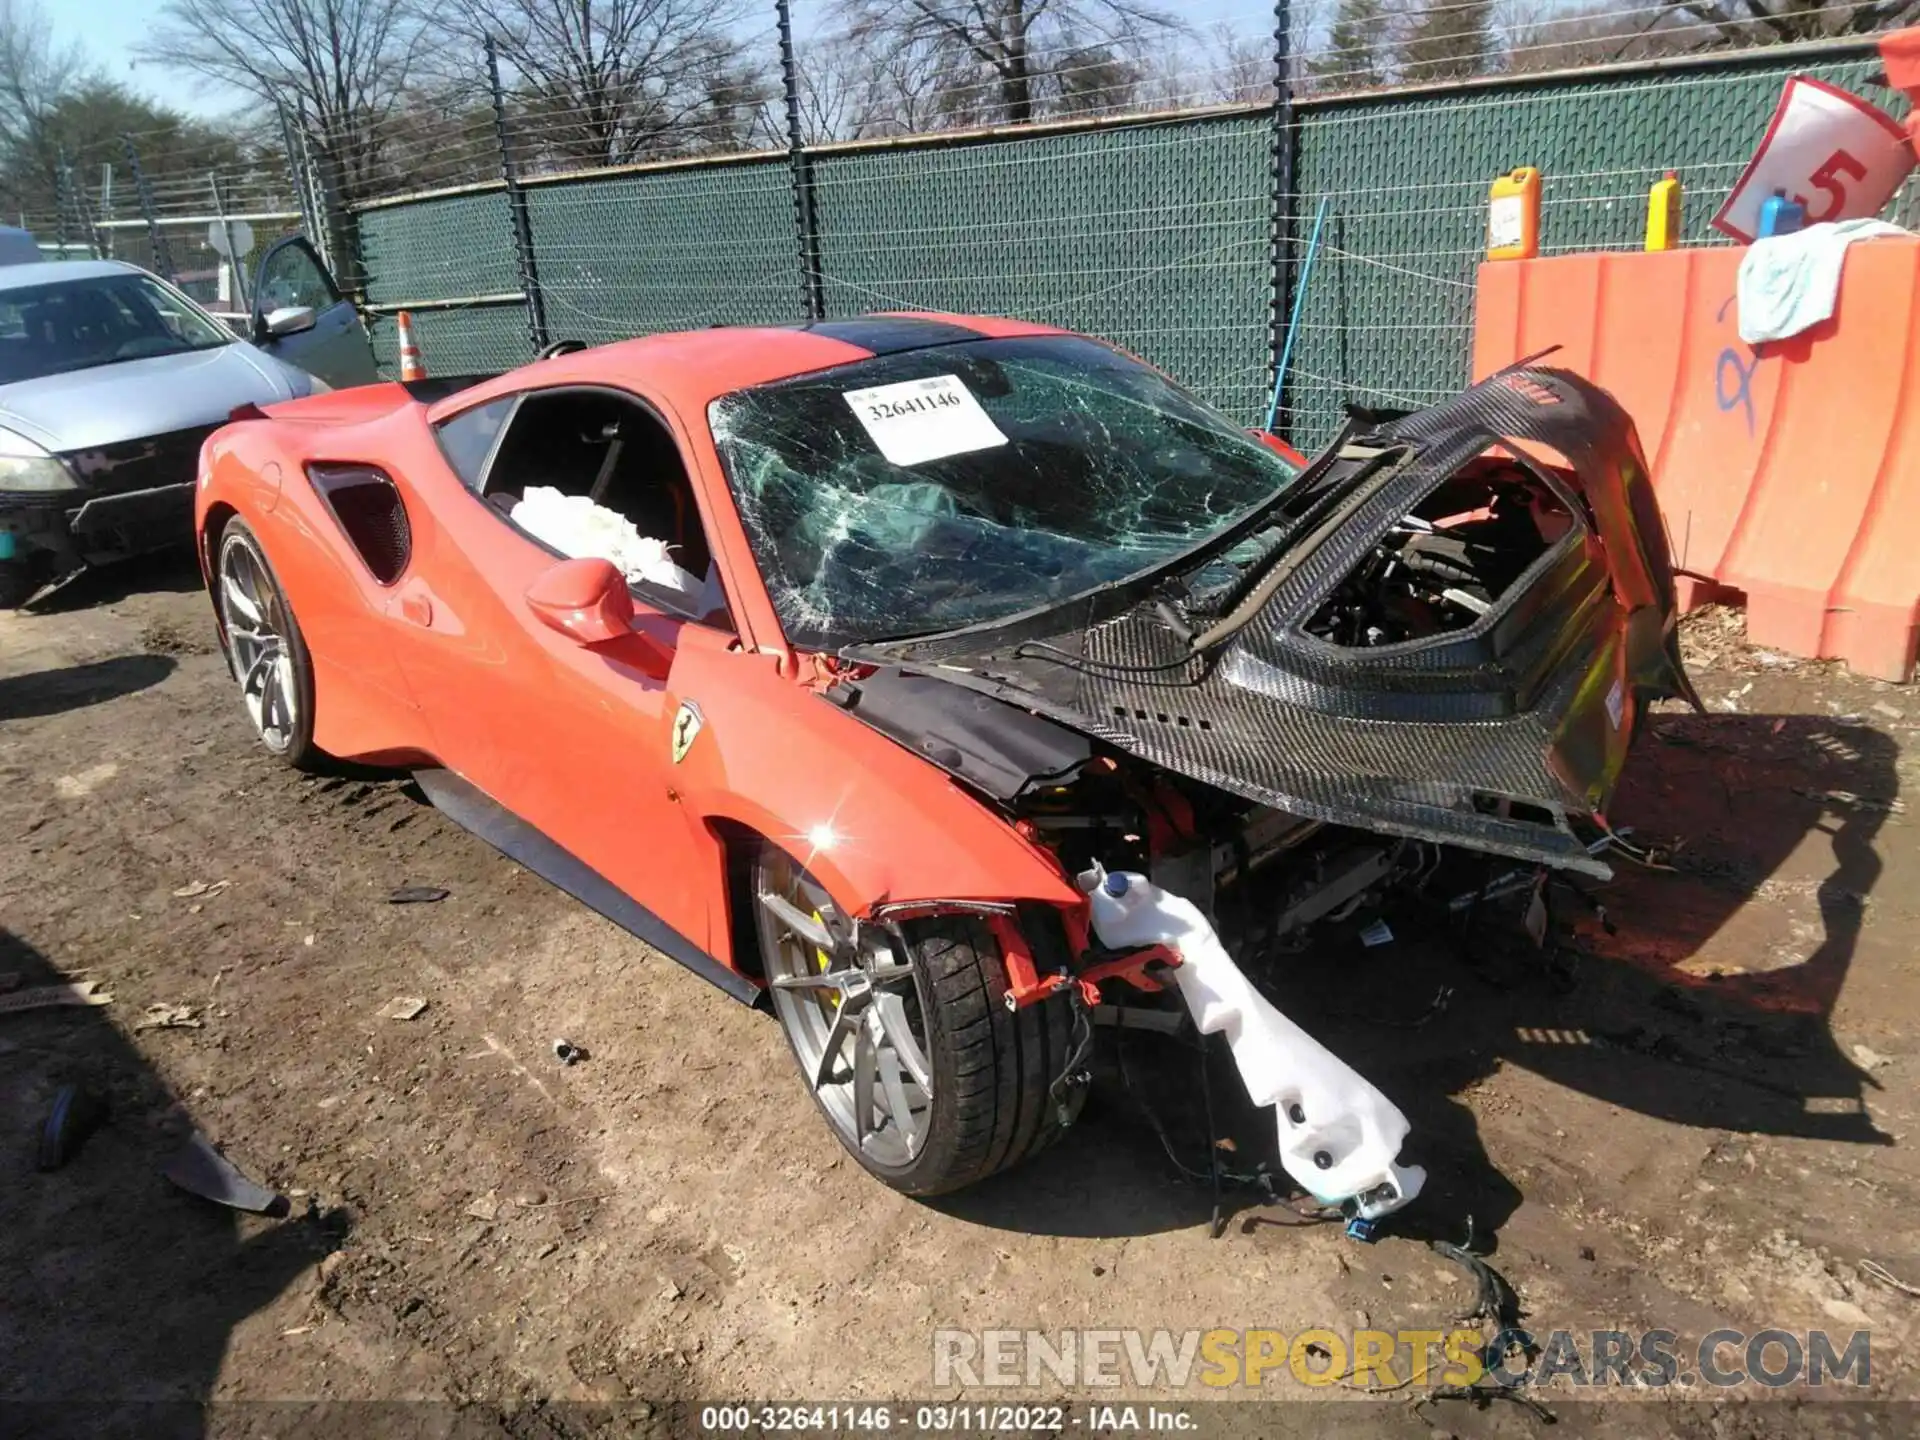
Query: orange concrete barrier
point(1789, 473)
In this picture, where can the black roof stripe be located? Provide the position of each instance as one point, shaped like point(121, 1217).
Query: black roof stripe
point(891, 334)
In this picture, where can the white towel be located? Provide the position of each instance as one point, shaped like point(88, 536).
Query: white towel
point(1789, 283)
point(578, 528)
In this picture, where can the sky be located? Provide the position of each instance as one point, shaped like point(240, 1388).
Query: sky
point(111, 30)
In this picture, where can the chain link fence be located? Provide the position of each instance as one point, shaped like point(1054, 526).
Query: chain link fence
point(1152, 232)
point(1177, 235)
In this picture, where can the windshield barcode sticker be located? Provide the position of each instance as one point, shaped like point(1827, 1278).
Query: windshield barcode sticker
point(920, 420)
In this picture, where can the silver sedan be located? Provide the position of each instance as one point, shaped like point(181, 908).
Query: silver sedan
point(109, 380)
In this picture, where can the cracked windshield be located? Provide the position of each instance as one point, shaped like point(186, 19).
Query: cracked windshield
point(967, 483)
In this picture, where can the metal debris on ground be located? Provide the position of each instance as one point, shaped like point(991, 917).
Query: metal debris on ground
point(1377, 933)
point(1494, 1299)
point(201, 1170)
point(77, 1112)
point(167, 1017)
point(417, 895)
point(1873, 1270)
point(1851, 801)
point(568, 1053)
point(44, 997)
point(403, 1007)
point(193, 890)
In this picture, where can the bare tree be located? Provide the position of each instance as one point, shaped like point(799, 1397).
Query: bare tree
point(605, 82)
point(1768, 22)
point(997, 55)
point(1449, 40)
point(1093, 80)
point(1548, 35)
point(37, 76)
point(1222, 65)
point(1359, 47)
point(345, 63)
point(1238, 67)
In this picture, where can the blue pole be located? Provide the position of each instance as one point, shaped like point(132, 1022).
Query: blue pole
point(1293, 320)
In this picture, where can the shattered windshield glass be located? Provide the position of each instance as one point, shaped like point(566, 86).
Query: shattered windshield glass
point(959, 484)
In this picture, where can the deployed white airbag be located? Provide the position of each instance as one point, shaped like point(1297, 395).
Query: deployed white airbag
point(1339, 1137)
point(578, 528)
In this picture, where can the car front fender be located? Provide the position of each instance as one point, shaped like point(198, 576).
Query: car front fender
point(873, 822)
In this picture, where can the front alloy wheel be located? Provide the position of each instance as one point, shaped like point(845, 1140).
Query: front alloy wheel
point(904, 1037)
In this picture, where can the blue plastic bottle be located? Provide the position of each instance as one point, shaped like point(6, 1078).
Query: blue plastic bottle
point(1781, 216)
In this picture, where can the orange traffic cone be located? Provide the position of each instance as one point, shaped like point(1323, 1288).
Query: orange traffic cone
point(412, 367)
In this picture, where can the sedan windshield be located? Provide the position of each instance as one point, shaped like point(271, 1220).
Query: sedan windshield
point(78, 324)
point(966, 483)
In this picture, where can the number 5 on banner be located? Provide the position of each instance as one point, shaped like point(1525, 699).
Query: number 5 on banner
point(1827, 178)
point(1830, 150)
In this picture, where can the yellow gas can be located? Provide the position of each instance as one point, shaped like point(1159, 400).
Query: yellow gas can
point(1663, 213)
point(1513, 216)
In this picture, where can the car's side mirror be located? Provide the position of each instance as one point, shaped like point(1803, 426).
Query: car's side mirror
point(585, 600)
point(288, 320)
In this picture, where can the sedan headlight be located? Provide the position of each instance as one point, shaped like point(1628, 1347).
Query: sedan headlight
point(25, 467)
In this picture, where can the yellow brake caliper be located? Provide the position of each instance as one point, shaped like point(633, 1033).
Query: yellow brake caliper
point(826, 962)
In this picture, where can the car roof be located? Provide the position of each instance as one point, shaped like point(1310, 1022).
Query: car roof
point(691, 368)
point(49, 272)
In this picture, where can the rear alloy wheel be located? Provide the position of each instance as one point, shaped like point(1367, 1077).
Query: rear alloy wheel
point(905, 1039)
point(265, 651)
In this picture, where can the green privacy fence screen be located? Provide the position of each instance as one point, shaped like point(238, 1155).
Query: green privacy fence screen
point(1151, 232)
point(1153, 236)
point(1388, 313)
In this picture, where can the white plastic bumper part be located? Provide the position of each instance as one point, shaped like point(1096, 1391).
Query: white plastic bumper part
point(1338, 1135)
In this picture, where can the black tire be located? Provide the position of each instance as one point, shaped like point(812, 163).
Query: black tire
point(292, 743)
point(994, 1069)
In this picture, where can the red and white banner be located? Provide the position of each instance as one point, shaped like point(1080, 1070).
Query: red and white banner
point(1836, 154)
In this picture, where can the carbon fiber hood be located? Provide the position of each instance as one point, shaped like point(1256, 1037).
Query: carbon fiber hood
point(1491, 736)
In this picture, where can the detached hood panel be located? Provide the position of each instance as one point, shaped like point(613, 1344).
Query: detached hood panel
point(1491, 736)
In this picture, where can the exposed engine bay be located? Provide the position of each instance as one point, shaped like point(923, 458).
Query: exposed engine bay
point(1444, 565)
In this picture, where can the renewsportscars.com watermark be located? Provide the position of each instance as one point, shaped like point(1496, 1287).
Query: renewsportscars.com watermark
point(1318, 1357)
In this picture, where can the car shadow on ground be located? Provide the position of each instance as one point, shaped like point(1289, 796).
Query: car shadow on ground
point(53, 692)
point(1622, 1005)
point(122, 1291)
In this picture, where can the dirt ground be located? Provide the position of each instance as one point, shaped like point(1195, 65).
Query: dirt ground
point(1702, 1119)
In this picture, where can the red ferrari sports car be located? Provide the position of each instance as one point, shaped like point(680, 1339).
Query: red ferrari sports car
point(825, 658)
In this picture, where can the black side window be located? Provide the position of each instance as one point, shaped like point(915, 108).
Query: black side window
point(467, 439)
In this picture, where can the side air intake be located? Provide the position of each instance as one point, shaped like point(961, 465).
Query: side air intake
point(370, 513)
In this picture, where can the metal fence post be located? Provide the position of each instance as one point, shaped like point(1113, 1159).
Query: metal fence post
point(811, 287)
point(1285, 138)
point(106, 207)
point(83, 211)
point(325, 201)
point(61, 200)
point(517, 209)
point(162, 256)
point(302, 196)
point(234, 267)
